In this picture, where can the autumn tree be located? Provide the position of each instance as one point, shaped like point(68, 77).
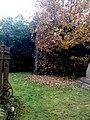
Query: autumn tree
point(62, 28)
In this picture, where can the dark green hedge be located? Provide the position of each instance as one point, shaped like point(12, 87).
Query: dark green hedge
point(15, 33)
point(22, 56)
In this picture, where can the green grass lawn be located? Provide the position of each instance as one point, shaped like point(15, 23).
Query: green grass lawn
point(50, 103)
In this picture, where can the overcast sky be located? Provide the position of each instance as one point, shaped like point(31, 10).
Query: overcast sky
point(14, 7)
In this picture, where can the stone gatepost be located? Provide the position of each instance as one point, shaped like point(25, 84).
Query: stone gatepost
point(6, 90)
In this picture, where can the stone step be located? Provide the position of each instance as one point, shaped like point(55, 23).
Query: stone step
point(82, 84)
point(85, 80)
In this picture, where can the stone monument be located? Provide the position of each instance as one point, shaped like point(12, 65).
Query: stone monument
point(84, 82)
point(88, 71)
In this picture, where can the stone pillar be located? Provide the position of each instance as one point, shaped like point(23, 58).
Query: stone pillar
point(5, 87)
point(6, 59)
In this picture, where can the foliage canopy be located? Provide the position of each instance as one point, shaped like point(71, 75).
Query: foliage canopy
point(62, 29)
point(15, 33)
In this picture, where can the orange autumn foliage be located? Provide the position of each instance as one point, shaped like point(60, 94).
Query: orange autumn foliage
point(60, 28)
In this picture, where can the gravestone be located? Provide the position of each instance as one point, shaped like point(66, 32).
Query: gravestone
point(88, 71)
point(84, 82)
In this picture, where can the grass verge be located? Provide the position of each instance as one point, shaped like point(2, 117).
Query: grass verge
point(42, 102)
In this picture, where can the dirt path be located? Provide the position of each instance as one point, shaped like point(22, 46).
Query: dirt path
point(50, 80)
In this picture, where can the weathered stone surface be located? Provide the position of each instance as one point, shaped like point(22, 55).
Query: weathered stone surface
point(88, 71)
point(87, 86)
point(86, 80)
point(82, 84)
point(78, 83)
